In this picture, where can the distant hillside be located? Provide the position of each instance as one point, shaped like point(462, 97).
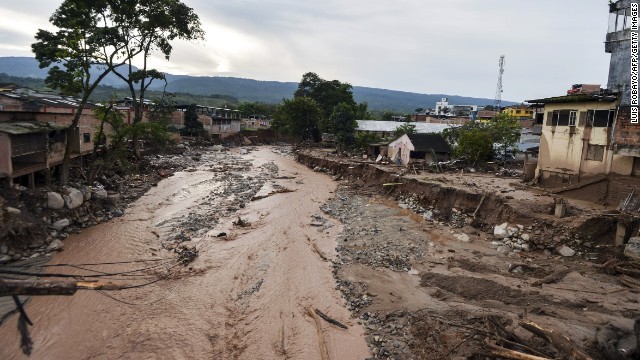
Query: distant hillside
point(260, 91)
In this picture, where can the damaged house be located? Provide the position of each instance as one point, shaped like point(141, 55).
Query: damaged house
point(587, 137)
point(419, 147)
point(34, 129)
point(218, 122)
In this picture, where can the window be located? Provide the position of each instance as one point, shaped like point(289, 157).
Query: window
point(552, 118)
point(86, 137)
point(619, 20)
point(563, 117)
point(595, 152)
point(573, 116)
point(600, 118)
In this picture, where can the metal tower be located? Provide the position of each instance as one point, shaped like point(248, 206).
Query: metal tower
point(498, 99)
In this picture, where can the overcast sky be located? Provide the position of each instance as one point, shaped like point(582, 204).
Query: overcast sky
point(424, 46)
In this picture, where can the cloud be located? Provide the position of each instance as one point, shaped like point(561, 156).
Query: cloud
point(424, 46)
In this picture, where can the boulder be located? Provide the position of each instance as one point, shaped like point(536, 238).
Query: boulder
point(500, 231)
point(74, 198)
point(525, 237)
point(86, 193)
point(114, 198)
point(61, 224)
point(5, 258)
point(54, 201)
point(462, 237)
point(4, 249)
point(632, 249)
point(56, 245)
point(117, 212)
point(513, 231)
point(100, 194)
point(566, 251)
point(12, 211)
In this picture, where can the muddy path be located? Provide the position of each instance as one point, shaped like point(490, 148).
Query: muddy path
point(251, 294)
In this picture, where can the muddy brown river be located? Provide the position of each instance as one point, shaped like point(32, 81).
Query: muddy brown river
point(249, 295)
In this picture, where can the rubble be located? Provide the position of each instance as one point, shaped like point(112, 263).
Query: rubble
point(632, 249)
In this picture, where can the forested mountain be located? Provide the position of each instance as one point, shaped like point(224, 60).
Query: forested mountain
point(247, 90)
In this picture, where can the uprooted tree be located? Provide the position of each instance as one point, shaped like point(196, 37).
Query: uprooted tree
point(94, 38)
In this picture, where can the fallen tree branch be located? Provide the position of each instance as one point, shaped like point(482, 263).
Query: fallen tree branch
point(561, 342)
point(557, 276)
point(484, 195)
point(330, 320)
point(630, 282)
point(628, 272)
point(499, 351)
point(52, 287)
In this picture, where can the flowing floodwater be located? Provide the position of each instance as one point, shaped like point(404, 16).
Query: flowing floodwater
point(249, 295)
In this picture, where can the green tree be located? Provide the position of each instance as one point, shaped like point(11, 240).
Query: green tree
point(192, 126)
point(327, 94)
point(388, 115)
point(364, 139)
point(147, 26)
point(343, 122)
point(361, 111)
point(474, 145)
point(299, 117)
point(82, 42)
point(505, 131)
point(257, 108)
point(406, 128)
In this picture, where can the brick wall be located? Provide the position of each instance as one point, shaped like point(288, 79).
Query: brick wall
point(627, 135)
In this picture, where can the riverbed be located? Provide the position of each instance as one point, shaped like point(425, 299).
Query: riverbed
point(252, 293)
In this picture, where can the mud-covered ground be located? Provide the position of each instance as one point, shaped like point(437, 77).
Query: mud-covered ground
point(248, 254)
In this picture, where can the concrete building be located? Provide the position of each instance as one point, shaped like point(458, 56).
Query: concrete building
point(521, 112)
point(255, 122)
point(218, 122)
point(618, 44)
point(589, 136)
point(576, 138)
point(443, 108)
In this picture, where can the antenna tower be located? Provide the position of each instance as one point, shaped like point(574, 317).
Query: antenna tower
point(498, 99)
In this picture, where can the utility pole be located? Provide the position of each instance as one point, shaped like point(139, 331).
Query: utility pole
point(498, 99)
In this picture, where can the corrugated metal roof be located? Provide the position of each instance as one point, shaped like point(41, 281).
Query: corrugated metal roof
point(390, 126)
point(17, 128)
point(33, 97)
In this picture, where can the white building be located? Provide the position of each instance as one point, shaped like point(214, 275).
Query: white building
point(443, 108)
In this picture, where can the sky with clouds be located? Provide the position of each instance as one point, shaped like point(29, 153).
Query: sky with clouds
point(424, 46)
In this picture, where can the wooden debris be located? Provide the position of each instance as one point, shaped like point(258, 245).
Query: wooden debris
point(557, 276)
point(501, 352)
point(561, 342)
point(630, 282)
point(392, 184)
point(52, 287)
point(479, 205)
point(330, 320)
